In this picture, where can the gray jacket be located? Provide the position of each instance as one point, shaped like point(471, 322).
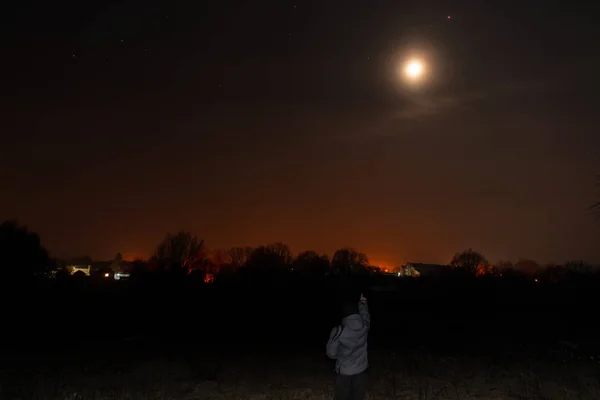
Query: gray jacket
point(348, 342)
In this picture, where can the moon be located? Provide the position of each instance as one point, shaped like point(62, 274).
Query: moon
point(414, 70)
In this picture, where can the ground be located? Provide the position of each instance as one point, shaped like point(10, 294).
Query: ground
point(410, 374)
point(428, 341)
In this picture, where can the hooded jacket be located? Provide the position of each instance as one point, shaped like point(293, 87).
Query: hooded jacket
point(348, 342)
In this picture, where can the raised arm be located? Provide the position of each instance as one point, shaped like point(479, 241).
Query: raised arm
point(363, 310)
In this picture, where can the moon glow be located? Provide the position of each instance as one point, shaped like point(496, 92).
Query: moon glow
point(414, 70)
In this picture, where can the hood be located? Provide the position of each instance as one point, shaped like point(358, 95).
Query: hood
point(353, 322)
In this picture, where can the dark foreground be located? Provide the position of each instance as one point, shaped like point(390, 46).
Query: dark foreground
point(410, 374)
point(427, 342)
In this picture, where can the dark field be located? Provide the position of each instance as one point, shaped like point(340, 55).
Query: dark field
point(429, 340)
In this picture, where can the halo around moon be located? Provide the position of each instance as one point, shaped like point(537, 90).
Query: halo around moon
point(416, 67)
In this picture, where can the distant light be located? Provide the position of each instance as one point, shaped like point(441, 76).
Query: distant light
point(209, 278)
point(449, 17)
point(120, 275)
point(106, 275)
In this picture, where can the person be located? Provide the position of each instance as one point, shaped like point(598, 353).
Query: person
point(347, 345)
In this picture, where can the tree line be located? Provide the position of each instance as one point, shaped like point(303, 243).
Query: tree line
point(183, 254)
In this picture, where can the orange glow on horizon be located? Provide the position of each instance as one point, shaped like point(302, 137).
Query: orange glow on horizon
point(133, 256)
point(383, 266)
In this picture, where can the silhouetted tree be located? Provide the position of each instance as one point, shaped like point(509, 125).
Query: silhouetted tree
point(570, 271)
point(374, 269)
point(219, 257)
point(115, 266)
point(311, 263)
point(528, 267)
point(554, 273)
point(468, 261)
point(282, 251)
point(139, 268)
point(270, 258)
point(504, 265)
point(21, 252)
point(180, 253)
point(577, 267)
point(239, 256)
point(348, 260)
point(512, 274)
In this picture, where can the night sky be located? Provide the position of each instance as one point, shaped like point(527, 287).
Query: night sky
point(249, 122)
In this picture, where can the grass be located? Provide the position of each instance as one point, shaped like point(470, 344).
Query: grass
point(413, 374)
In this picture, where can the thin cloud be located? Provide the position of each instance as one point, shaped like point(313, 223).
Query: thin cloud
point(423, 108)
point(418, 109)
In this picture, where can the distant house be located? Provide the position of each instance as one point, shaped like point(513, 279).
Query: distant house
point(73, 269)
point(116, 269)
point(421, 270)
